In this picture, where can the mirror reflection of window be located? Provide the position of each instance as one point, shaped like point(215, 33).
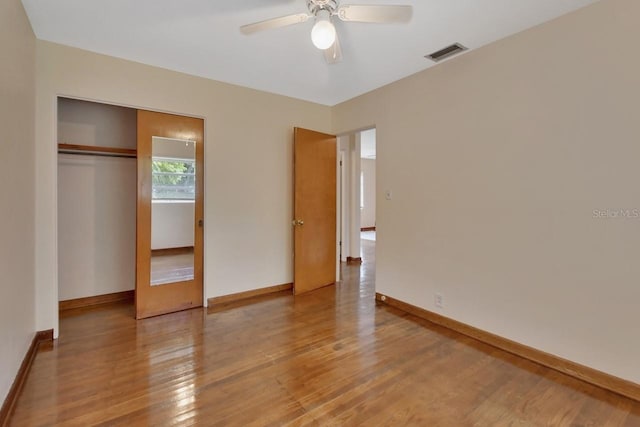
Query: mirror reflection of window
point(173, 169)
point(173, 179)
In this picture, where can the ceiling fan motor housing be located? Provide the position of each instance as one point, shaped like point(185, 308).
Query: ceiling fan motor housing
point(317, 5)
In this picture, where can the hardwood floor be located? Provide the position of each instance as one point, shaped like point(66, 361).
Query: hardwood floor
point(171, 268)
point(331, 357)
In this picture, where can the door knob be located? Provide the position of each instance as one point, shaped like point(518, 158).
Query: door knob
point(297, 222)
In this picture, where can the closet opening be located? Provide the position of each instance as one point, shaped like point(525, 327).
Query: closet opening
point(130, 208)
point(96, 203)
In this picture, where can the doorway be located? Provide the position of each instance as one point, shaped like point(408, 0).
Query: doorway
point(368, 195)
point(358, 197)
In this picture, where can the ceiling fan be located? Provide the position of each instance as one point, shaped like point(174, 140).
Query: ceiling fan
point(323, 33)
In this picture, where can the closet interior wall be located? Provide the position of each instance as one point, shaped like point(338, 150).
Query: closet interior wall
point(96, 201)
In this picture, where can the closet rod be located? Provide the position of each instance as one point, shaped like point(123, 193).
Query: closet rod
point(94, 150)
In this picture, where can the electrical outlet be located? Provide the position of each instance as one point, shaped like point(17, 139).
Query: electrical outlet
point(439, 300)
point(388, 195)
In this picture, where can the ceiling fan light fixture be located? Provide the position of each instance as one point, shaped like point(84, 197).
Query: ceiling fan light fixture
point(323, 33)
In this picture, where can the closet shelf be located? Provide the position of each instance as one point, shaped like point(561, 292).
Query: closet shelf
point(96, 150)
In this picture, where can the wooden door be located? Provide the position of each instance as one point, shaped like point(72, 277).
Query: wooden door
point(170, 208)
point(314, 210)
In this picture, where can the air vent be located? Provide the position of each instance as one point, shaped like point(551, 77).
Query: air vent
point(448, 51)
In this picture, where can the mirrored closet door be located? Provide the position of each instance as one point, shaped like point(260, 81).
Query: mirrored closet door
point(169, 213)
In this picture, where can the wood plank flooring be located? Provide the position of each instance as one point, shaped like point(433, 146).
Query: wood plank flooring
point(331, 357)
point(171, 268)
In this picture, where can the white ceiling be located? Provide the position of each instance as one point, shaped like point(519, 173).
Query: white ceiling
point(201, 37)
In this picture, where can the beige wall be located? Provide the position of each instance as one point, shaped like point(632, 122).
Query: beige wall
point(96, 225)
point(368, 212)
point(17, 95)
point(248, 161)
point(91, 123)
point(497, 160)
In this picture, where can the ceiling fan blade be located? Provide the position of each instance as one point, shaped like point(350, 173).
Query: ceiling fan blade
point(375, 14)
point(333, 54)
point(283, 21)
